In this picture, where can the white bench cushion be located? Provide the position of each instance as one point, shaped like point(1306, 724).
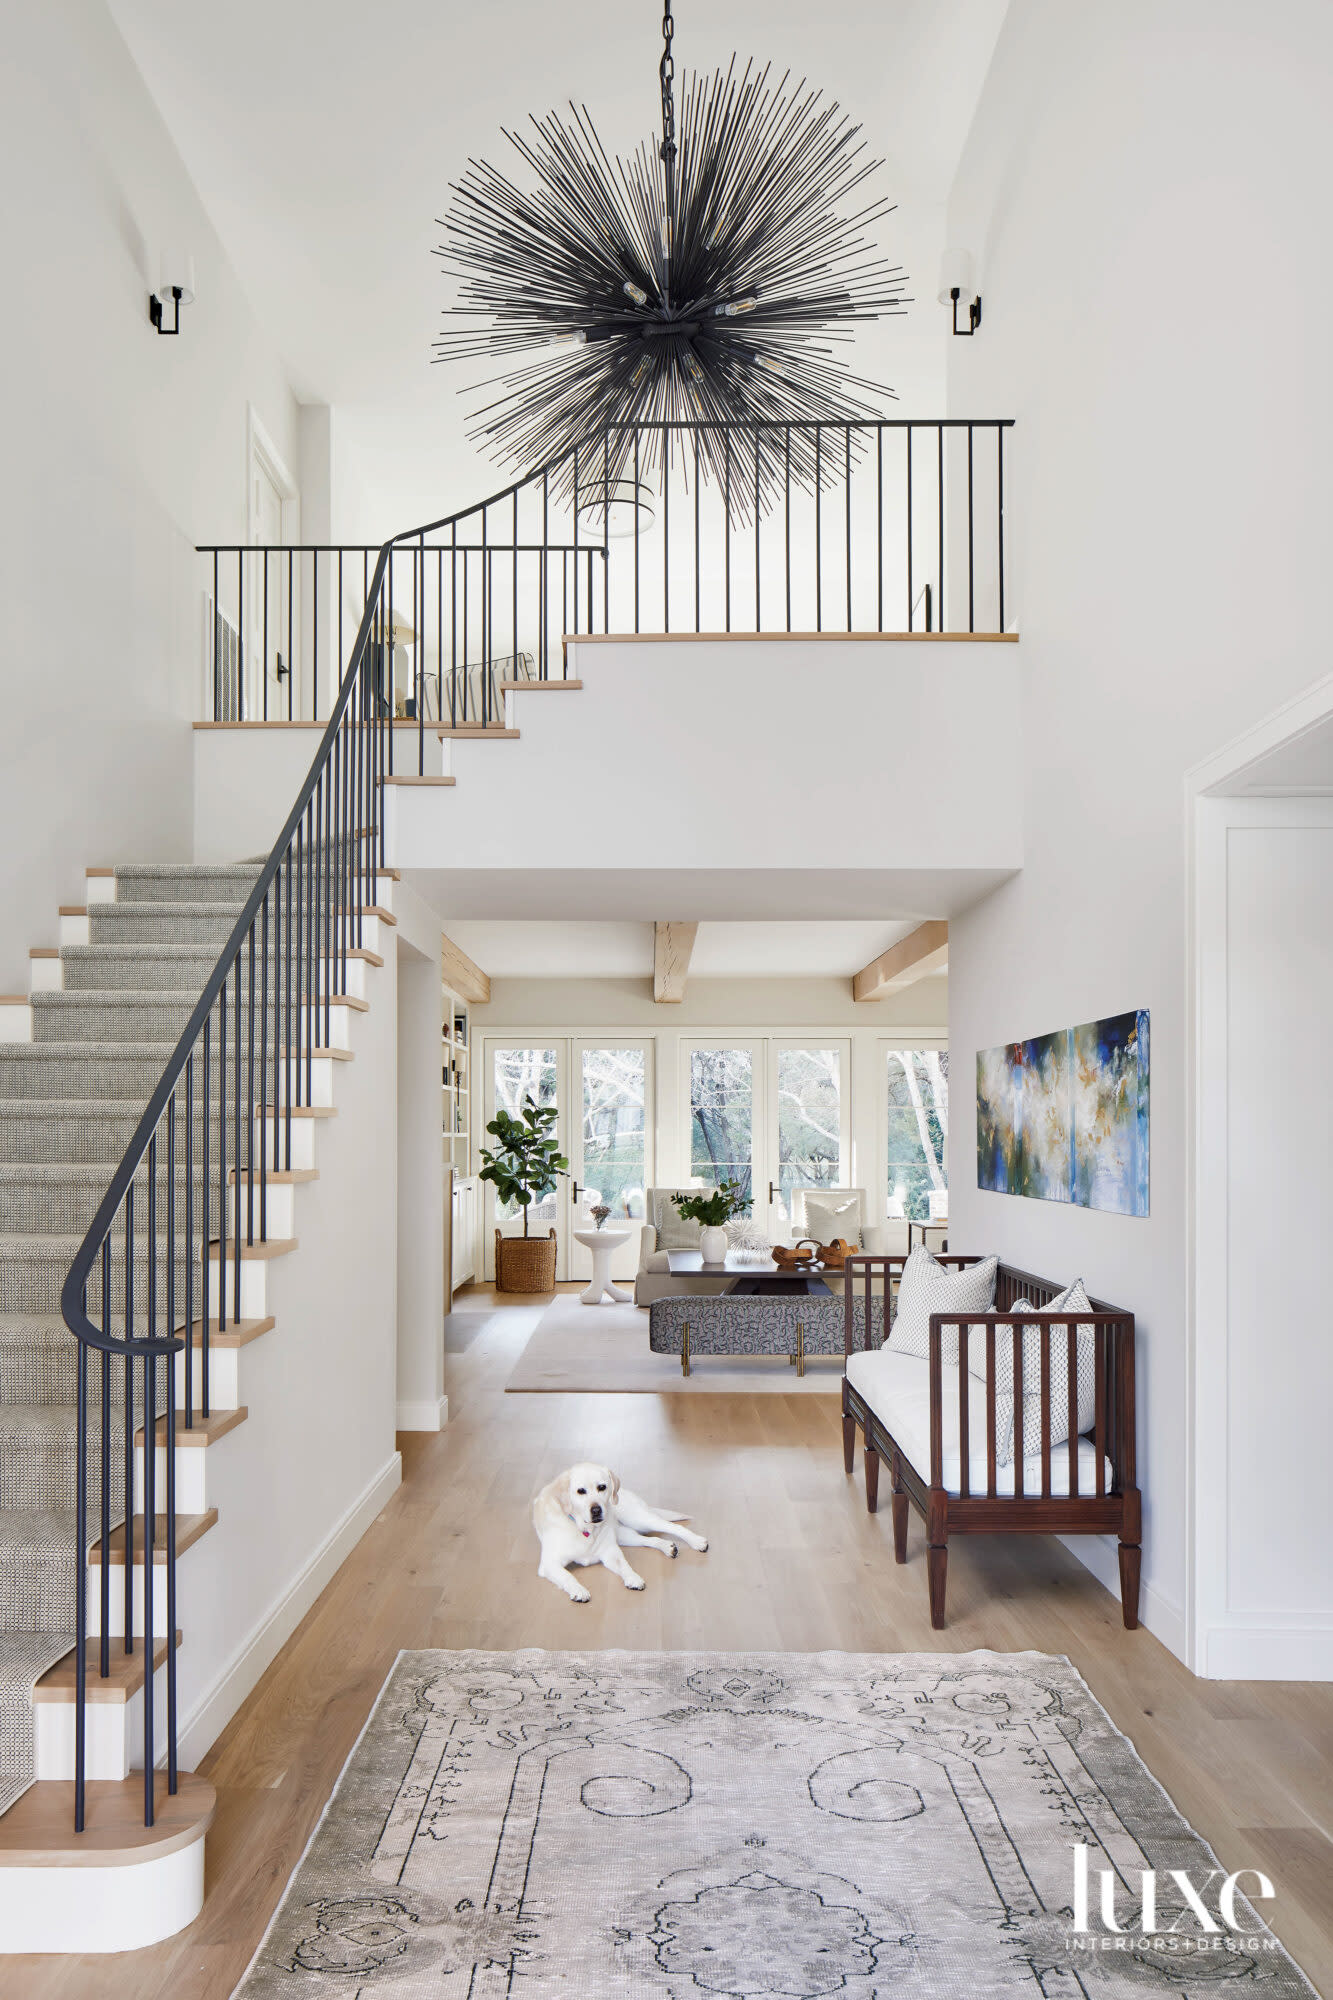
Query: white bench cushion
point(897, 1389)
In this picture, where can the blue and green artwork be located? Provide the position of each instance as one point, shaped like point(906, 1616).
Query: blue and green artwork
point(1064, 1117)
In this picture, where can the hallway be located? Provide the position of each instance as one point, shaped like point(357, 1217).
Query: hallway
point(795, 1563)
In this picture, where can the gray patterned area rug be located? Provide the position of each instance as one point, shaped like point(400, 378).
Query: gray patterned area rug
point(773, 1824)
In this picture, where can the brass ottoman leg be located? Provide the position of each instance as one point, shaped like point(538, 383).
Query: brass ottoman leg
point(685, 1349)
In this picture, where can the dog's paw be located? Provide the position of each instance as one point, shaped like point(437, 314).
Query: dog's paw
point(702, 1548)
point(672, 1550)
point(634, 1583)
point(579, 1596)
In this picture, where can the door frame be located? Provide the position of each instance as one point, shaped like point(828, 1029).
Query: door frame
point(625, 1260)
point(518, 1039)
point(775, 1045)
point(878, 1185)
point(263, 459)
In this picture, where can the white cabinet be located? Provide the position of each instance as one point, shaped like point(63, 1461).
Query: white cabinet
point(462, 1230)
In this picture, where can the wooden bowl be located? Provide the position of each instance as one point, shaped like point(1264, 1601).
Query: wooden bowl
point(834, 1255)
point(786, 1256)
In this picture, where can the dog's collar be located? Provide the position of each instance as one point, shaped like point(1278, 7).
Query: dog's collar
point(585, 1532)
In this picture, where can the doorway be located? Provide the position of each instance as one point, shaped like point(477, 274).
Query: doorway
point(771, 1114)
point(272, 586)
point(602, 1089)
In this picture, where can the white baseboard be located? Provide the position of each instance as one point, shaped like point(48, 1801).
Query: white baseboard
point(1166, 1621)
point(214, 1710)
point(423, 1415)
point(1268, 1653)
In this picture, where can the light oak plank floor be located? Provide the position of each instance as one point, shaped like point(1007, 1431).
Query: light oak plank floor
point(795, 1564)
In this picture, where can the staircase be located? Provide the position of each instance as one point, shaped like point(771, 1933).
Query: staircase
point(79, 1057)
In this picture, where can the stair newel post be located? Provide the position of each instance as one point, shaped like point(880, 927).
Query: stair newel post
point(149, 1487)
point(171, 1328)
point(127, 1422)
point(81, 1578)
point(189, 1237)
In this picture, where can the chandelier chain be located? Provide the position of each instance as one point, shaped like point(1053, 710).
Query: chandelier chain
point(667, 72)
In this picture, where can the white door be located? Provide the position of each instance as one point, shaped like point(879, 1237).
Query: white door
point(268, 595)
point(611, 1155)
point(514, 1070)
point(809, 1124)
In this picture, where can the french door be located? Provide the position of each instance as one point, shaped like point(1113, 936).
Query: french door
point(602, 1090)
point(771, 1114)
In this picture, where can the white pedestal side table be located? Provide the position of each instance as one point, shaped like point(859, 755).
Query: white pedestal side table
point(602, 1243)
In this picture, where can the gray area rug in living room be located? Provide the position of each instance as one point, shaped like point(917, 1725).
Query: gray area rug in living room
point(688, 1824)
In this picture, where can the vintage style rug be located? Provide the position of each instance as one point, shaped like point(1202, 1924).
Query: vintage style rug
point(612, 1825)
point(605, 1349)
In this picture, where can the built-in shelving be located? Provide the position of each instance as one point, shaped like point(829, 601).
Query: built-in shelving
point(456, 1077)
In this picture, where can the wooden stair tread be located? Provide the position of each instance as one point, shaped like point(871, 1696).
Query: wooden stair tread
point(202, 1432)
point(467, 731)
point(236, 1333)
point(360, 951)
point(73, 909)
point(282, 1176)
point(38, 1830)
point(370, 910)
point(44, 951)
point(297, 1110)
point(393, 778)
point(255, 1253)
point(15, 999)
point(124, 1680)
point(100, 873)
point(189, 1528)
point(513, 687)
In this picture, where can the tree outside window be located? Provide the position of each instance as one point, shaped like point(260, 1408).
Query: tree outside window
point(918, 1130)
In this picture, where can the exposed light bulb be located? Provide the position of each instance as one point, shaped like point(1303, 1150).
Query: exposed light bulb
point(665, 233)
point(770, 363)
point(635, 292)
point(641, 370)
point(692, 368)
point(734, 308)
point(563, 342)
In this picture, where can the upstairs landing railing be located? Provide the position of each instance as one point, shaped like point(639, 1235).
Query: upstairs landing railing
point(898, 527)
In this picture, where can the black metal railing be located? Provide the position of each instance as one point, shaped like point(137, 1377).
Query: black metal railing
point(159, 1273)
point(896, 527)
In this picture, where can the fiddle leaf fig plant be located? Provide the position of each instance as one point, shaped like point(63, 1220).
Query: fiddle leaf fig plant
point(527, 1160)
point(715, 1206)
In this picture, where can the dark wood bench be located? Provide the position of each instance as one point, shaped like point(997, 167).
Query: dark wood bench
point(945, 1420)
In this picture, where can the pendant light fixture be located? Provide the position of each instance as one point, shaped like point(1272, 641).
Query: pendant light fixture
point(707, 280)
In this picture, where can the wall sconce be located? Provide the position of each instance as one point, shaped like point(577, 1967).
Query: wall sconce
point(958, 281)
point(175, 289)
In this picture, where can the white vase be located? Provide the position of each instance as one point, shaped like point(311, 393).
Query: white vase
point(713, 1245)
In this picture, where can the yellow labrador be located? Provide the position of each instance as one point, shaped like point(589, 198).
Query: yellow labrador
point(586, 1516)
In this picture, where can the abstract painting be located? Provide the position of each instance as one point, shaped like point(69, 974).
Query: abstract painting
point(1064, 1117)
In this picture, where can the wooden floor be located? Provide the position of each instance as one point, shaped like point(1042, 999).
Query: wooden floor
point(795, 1563)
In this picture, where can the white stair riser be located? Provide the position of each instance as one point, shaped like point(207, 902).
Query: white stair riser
point(276, 1210)
point(254, 1289)
point(303, 1140)
point(191, 1474)
point(120, 1908)
point(15, 1022)
point(74, 930)
point(113, 1739)
point(116, 1621)
point(223, 1377)
point(45, 975)
point(99, 889)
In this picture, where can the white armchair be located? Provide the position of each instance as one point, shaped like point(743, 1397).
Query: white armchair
point(886, 1239)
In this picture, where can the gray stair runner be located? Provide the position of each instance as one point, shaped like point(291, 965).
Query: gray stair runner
point(69, 1103)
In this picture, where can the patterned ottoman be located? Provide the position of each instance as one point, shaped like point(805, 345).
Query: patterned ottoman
point(731, 1325)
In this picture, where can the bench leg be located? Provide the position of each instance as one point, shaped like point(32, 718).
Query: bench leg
point(872, 1478)
point(848, 1443)
point(937, 1553)
point(901, 1507)
point(1131, 1556)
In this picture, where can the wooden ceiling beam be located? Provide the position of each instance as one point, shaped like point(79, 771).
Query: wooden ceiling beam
point(461, 976)
point(924, 950)
point(672, 946)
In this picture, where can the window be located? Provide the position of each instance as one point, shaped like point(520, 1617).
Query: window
point(918, 1132)
point(519, 1073)
point(722, 1117)
point(809, 1093)
point(615, 1098)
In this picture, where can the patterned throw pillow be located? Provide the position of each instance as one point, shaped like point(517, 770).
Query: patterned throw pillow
point(830, 1216)
point(1074, 1299)
point(673, 1231)
point(929, 1287)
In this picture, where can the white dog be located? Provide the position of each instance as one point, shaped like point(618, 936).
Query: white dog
point(586, 1516)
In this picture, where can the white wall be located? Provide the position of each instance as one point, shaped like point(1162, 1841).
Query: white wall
point(764, 760)
point(421, 1193)
point(121, 450)
point(1142, 187)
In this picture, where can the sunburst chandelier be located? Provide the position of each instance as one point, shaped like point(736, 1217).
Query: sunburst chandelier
point(705, 281)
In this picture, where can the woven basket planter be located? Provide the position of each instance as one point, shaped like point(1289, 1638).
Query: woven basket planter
point(524, 1263)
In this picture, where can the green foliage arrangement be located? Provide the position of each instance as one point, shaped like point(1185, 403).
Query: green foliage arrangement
point(527, 1160)
point(716, 1206)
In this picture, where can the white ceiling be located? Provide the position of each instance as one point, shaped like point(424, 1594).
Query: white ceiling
point(591, 950)
point(323, 136)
